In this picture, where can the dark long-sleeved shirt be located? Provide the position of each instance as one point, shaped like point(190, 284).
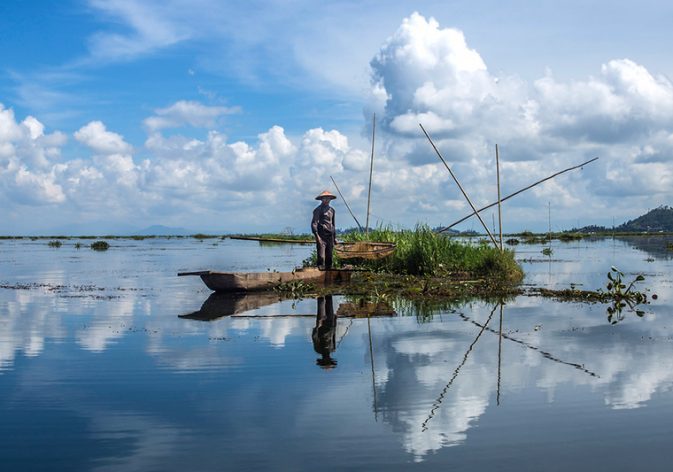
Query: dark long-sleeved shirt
point(323, 222)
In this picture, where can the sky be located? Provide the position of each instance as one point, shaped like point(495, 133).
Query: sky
point(231, 116)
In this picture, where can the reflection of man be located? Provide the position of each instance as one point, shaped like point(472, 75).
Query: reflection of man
point(323, 228)
point(324, 333)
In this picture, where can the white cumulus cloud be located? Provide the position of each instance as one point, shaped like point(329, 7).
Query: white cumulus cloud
point(100, 140)
point(186, 112)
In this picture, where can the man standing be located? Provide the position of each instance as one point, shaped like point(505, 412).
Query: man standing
point(324, 230)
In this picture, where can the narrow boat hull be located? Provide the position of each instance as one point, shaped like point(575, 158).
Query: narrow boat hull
point(257, 281)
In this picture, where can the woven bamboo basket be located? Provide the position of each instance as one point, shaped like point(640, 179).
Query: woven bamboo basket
point(364, 250)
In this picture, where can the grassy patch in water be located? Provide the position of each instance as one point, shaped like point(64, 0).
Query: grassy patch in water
point(278, 236)
point(424, 252)
point(55, 243)
point(100, 246)
point(204, 236)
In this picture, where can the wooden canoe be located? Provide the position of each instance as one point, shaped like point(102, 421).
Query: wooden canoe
point(254, 281)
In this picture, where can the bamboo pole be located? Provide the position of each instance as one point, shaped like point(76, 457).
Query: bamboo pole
point(545, 354)
point(497, 168)
point(499, 352)
point(345, 202)
point(459, 186)
point(476, 212)
point(437, 403)
point(371, 171)
point(371, 357)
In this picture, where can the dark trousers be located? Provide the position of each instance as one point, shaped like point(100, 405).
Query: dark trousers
point(324, 248)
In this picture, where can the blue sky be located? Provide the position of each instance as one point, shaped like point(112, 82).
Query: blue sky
point(230, 116)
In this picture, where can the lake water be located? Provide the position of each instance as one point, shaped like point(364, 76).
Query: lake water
point(108, 361)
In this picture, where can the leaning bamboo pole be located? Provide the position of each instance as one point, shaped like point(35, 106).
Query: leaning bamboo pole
point(476, 212)
point(345, 202)
point(459, 186)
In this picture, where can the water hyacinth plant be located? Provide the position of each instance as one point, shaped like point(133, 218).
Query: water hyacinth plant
point(623, 296)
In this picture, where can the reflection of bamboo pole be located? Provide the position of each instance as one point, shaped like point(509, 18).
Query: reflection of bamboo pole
point(497, 168)
point(459, 186)
point(371, 170)
point(499, 353)
point(440, 399)
point(476, 212)
point(544, 354)
point(345, 202)
point(371, 358)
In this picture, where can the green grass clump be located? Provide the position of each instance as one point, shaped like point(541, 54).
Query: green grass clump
point(204, 236)
point(100, 246)
point(55, 243)
point(570, 236)
point(287, 237)
point(424, 252)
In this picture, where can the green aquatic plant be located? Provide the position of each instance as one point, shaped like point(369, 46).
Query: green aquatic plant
point(547, 251)
point(100, 246)
point(55, 243)
point(295, 289)
point(623, 296)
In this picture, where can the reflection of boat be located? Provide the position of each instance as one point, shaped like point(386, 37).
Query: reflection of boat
point(250, 281)
point(363, 309)
point(218, 305)
point(364, 250)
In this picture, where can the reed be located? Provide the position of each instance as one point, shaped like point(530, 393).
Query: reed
point(422, 251)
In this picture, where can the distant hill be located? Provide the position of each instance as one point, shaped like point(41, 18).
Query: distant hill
point(659, 219)
point(161, 230)
point(654, 221)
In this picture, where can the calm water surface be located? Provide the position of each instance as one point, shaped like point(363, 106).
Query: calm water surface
point(108, 361)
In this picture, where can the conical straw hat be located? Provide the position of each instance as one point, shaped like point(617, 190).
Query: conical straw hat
point(327, 194)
